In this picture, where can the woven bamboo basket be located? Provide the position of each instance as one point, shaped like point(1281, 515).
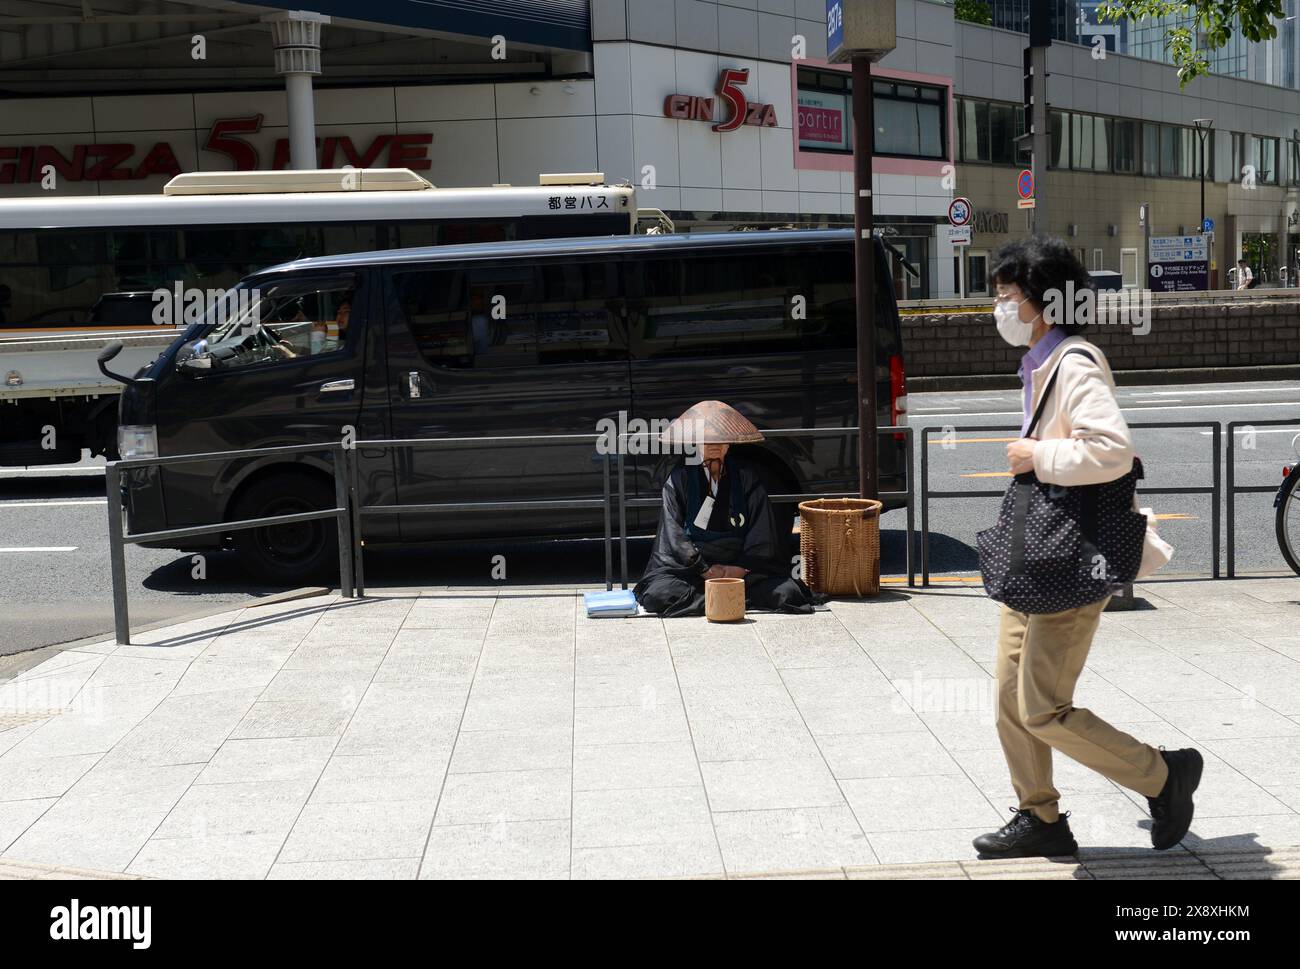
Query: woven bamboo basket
point(839, 543)
point(724, 600)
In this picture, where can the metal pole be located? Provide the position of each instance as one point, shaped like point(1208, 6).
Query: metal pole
point(911, 510)
point(622, 516)
point(1214, 514)
point(925, 506)
point(1230, 495)
point(346, 580)
point(117, 554)
point(609, 539)
point(358, 560)
point(865, 252)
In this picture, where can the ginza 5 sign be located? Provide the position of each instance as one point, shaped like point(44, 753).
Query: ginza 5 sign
point(692, 107)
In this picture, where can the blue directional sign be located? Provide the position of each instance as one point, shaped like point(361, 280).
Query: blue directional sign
point(1207, 225)
point(834, 28)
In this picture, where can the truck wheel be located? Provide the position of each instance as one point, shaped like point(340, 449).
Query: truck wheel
point(287, 555)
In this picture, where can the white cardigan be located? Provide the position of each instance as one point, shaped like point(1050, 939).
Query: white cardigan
point(1082, 436)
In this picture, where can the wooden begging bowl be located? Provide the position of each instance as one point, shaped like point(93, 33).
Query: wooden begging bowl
point(724, 600)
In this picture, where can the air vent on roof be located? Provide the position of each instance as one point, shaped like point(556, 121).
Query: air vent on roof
point(293, 180)
point(572, 178)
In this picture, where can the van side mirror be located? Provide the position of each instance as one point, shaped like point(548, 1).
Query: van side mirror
point(198, 361)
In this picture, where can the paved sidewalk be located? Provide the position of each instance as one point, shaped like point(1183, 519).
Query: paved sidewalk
point(481, 732)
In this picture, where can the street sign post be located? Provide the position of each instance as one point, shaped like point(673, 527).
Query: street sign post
point(863, 31)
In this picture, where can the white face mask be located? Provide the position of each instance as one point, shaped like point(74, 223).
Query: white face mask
point(1010, 326)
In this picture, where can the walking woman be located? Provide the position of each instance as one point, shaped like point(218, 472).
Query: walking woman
point(1081, 439)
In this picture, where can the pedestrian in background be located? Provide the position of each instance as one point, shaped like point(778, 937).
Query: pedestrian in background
point(1245, 278)
point(1082, 439)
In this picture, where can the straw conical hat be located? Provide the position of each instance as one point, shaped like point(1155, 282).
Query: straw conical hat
point(712, 422)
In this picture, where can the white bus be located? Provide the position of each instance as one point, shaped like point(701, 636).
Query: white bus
point(74, 270)
point(207, 230)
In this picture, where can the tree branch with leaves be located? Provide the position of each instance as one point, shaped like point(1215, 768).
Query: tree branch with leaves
point(1214, 22)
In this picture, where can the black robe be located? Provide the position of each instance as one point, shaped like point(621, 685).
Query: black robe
point(742, 530)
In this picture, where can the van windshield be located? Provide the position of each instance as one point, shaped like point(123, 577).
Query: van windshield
point(271, 322)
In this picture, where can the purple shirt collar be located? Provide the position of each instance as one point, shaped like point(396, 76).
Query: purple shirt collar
point(1031, 361)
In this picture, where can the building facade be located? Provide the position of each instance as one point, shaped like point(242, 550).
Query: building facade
point(723, 113)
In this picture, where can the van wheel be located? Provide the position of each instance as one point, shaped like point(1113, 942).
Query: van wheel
point(286, 555)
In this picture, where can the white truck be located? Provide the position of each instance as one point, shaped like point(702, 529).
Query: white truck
point(53, 399)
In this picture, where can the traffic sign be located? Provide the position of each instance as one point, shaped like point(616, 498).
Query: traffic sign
point(1025, 184)
point(960, 211)
point(1025, 204)
point(1207, 225)
point(959, 235)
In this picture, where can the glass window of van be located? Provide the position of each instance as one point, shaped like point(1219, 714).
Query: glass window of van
point(277, 322)
point(741, 303)
point(514, 314)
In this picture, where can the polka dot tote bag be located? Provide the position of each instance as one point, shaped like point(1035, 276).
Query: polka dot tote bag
point(1056, 548)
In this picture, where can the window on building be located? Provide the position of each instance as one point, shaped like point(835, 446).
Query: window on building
point(1124, 152)
point(1264, 158)
point(910, 119)
point(1170, 151)
point(975, 131)
point(1002, 133)
point(1239, 160)
point(1059, 123)
point(1295, 162)
point(1150, 149)
point(1081, 141)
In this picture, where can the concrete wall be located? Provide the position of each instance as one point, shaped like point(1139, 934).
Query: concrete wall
point(1216, 335)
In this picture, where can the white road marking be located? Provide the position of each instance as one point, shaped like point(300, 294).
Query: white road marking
point(42, 548)
point(1242, 430)
point(22, 472)
point(1235, 390)
point(1259, 403)
point(51, 504)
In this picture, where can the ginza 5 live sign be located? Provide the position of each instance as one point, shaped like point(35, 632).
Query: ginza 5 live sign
point(692, 107)
point(227, 137)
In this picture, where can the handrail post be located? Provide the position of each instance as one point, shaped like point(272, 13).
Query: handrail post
point(1231, 497)
point(925, 507)
point(609, 525)
point(343, 521)
point(117, 554)
point(358, 559)
point(911, 508)
point(622, 515)
point(1215, 497)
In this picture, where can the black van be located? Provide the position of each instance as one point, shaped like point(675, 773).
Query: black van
point(504, 339)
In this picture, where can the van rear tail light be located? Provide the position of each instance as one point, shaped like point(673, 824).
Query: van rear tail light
point(897, 393)
point(1286, 470)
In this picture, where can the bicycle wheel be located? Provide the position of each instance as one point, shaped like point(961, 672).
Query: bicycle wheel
point(1288, 520)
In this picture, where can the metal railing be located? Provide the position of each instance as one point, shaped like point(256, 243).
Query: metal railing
point(926, 494)
point(359, 511)
point(624, 503)
point(118, 538)
point(1233, 489)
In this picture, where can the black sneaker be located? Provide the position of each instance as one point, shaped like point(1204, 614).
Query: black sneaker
point(1028, 836)
point(1171, 810)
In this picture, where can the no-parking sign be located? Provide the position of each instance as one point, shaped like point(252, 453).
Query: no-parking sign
point(1025, 184)
point(960, 211)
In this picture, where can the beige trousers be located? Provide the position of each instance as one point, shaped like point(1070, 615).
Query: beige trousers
point(1040, 658)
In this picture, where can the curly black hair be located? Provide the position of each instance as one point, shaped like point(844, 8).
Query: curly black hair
point(1039, 264)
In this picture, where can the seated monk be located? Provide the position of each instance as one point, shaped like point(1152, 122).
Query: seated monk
point(717, 522)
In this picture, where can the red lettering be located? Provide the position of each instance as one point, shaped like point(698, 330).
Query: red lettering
point(729, 90)
point(8, 169)
point(70, 168)
point(363, 161)
point(410, 151)
point(107, 170)
point(327, 153)
point(280, 160)
point(220, 139)
point(677, 106)
point(159, 161)
point(25, 163)
point(768, 118)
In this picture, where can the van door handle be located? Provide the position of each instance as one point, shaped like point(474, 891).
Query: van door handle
point(338, 386)
point(413, 384)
